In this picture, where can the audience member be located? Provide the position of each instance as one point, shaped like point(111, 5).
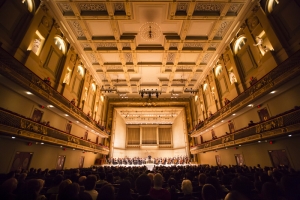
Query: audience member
point(157, 192)
point(187, 189)
point(7, 188)
point(90, 184)
point(209, 192)
point(124, 192)
point(143, 186)
point(107, 192)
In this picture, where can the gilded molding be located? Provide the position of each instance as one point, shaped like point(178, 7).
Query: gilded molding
point(269, 125)
point(32, 126)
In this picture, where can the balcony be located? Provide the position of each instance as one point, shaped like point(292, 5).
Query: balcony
point(280, 75)
point(15, 125)
point(278, 126)
point(18, 73)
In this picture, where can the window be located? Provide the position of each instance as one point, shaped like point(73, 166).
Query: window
point(239, 43)
point(36, 43)
point(59, 42)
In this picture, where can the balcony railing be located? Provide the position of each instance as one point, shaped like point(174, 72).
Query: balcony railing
point(19, 126)
point(283, 73)
point(18, 73)
point(283, 124)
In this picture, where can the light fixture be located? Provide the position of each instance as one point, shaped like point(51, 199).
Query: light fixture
point(149, 93)
point(233, 114)
point(42, 142)
point(190, 90)
point(290, 135)
point(250, 105)
point(109, 89)
point(150, 31)
point(259, 141)
point(66, 115)
point(13, 137)
point(272, 92)
point(50, 106)
point(29, 93)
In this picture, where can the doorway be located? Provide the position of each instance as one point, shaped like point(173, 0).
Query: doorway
point(21, 161)
point(279, 158)
point(60, 162)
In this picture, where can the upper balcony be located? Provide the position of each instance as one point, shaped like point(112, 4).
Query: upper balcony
point(15, 125)
point(18, 73)
point(280, 75)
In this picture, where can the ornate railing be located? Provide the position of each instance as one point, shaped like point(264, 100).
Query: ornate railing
point(20, 126)
point(283, 73)
point(18, 73)
point(283, 124)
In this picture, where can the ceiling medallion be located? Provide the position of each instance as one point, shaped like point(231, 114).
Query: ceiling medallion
point(150, 31)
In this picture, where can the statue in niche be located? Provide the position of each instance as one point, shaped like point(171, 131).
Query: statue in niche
point(263, 48)
point(252, 22)
point(67, 77)
point(36, 45)
point(45, 21)
point(73, 58)
point(232, 78)
point(226, 58)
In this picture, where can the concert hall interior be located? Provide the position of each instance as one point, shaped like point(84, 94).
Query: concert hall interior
point(90, 83)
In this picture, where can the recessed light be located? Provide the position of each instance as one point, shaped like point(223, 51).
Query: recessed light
point(272, 92)
point(66, 115)
point(226, 148)
point(42, 142)
point(74, 149)
point(50, 106)
point(28, 93)
point(240, 145)
point(13, 137)
point(233, 114)
point(77, 121)
point(85, 126)
point(250, 105)
point(290, 135)
point(222, 121)
point(60, 146)
point(259, 141)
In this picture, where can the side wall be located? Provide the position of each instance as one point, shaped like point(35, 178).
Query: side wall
point(257, 153)
point(44, 156)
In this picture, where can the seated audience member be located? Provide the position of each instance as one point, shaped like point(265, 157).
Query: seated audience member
point(124, 192)
point(21, 183)
point(209, 192)
point(270, 192)
point(235, 195)
point(81, 180)
point(143, 186)
point(55, 188)
point(101, 180)
point(32, 190)
point(70, 192)
point(84, 196)
point(62, 187)
point(251, 123)
point(107, 192)
point(243, 185)
point(201, 181)
point(151, 176)
point(221, 190)
point(157, 192)
point(7, 188)
point(187, 189)
point(90, 184)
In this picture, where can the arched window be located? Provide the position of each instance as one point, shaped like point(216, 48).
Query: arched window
point(271, 4)
point(29, 4)
point(218, 70)
point(60, 43)
point(239, 43)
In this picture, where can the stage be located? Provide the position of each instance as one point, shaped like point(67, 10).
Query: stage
point(149, 166)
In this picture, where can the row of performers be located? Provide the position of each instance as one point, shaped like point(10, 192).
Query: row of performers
point(141, 161)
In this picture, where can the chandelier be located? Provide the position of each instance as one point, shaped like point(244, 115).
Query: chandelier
point(150, 31)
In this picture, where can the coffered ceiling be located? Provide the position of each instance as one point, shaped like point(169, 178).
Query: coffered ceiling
point(109, 39)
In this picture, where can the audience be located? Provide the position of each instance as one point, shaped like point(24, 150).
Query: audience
point(134, 183)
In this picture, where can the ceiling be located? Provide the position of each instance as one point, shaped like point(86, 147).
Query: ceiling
point(108, 36)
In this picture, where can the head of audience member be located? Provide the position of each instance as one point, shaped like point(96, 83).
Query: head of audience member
point(158, 180)
point(63, 185)
point(186, 187)
point(84, 196)
point(124, 189)
point(81, 180)
point(143, 184)
point(7, 188)
point(58, 179)
point(107, 192)
point(270, 191)
point(101, 175)
point(235, 195)
point(172, 183)
point(209, 192)
point(32, 189)
point(151, 176)
point(90, 182)
point(243, 185)
point(110, 178)
point(22, 177)
point(70, 192)
point(201, 179)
